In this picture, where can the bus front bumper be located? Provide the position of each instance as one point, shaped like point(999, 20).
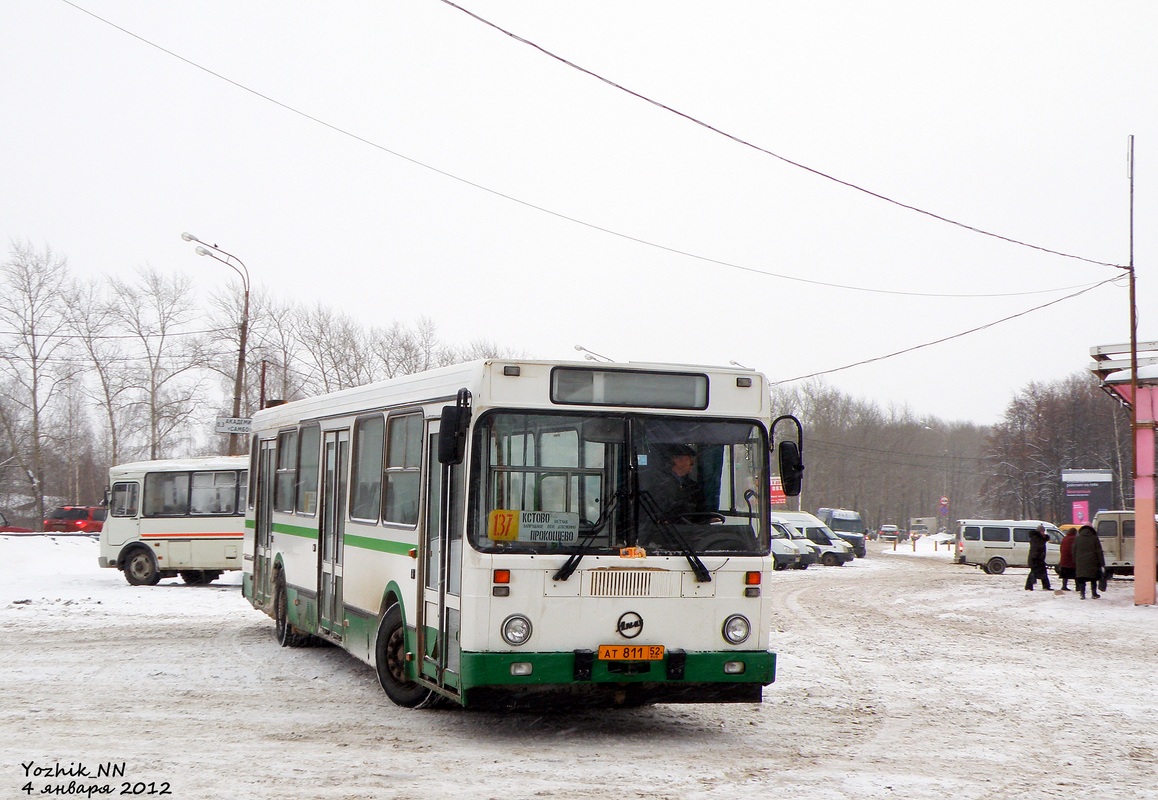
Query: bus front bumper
point(720, 676)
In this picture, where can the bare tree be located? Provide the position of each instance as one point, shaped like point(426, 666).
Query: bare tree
point(33, 320)
point(885, 463)
point(335, 347)
point(277, 347)
point(94, 320)
point(1048, 427)
point(157, 315)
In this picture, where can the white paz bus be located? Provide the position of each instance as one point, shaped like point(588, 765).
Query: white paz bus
point(178, 516)
point(498, 531)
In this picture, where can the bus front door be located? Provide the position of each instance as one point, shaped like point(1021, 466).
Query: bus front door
point(263, 521)
point(440, 606)
point(332, 532)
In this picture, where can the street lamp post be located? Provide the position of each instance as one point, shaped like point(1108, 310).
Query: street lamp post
point(212, 251)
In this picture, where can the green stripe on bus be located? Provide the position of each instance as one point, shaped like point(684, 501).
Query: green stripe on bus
point(295, 530)
point(364, 542)
point(382, 545)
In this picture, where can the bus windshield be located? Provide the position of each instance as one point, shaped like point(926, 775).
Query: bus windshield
point(557, 483)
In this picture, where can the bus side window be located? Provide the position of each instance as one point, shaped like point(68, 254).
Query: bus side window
point(366, 481)
point(125, 499)
point(403, 460)
point(287, 454)
point(308, 469)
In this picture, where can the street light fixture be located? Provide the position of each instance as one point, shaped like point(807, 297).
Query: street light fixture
point(212, 251)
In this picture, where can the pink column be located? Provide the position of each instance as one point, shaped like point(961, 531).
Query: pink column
point(1145, 556)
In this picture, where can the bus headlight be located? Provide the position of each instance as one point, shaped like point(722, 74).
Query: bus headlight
point(736, 629)
point(516, 630)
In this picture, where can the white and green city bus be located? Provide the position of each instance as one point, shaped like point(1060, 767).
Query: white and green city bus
point(175, 516)
point(500, 531)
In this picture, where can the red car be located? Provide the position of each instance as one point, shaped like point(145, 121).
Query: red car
point(75, 519)
point(6, 528)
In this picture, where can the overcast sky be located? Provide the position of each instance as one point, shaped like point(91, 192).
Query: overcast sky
point(452, 171)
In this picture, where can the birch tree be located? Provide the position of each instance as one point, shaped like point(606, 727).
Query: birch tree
point(36, 366)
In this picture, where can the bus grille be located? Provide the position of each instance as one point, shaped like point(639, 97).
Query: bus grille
point(633, 583)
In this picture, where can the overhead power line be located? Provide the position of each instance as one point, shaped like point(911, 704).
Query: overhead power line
point(135, 336)
point(946, 338)
point(758, 148)
point(584, 223)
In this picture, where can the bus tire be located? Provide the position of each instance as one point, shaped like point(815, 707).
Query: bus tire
point(195, 577)
point(829, 560)
point(390, 663)
point(995, 566)
point(287, 635)
point(141, 567)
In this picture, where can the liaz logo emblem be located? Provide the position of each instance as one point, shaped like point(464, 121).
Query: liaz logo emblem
point(630, 625)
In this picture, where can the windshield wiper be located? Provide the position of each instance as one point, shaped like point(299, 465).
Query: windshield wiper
point(669, 527)
point(749, 496)
point(572, 563)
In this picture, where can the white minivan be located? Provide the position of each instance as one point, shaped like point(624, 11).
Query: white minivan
point(807, 553)
point(1116, 531)
point(834, 551)
point(995, 544)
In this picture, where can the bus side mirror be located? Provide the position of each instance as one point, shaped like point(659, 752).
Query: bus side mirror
point(791, 467)
point(452, 430)
point(451, 436)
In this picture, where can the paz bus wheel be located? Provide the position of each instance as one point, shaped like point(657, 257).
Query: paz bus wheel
point(390, 662)
point(141, 569)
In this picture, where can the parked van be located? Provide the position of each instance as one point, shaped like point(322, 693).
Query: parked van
point(784, 531)
point(834, 551)
point(995, 544)
point(785, 554)
point(848, 525)
point(1116, 531)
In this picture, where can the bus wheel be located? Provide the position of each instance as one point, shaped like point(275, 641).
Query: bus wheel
point(194, 577)
point(390, 662)
point(287, 634)
point(829, 560)
point(996, 566)
point(141, 569)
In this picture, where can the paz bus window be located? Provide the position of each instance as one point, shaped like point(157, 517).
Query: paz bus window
point(124, 499)
point(166, 494)
point(213, 493)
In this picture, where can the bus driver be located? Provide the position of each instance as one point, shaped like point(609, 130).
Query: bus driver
point(677, 494)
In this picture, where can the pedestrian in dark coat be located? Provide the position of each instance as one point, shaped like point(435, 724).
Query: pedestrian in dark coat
point(1089, 560)
point(1065, 564)
point(1037, 570)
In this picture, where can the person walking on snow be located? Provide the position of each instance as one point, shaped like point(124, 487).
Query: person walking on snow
point(1037, 570)
point(1065, 564)
point(1089, 560)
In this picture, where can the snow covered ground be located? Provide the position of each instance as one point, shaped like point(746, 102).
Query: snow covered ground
point(900, 676)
